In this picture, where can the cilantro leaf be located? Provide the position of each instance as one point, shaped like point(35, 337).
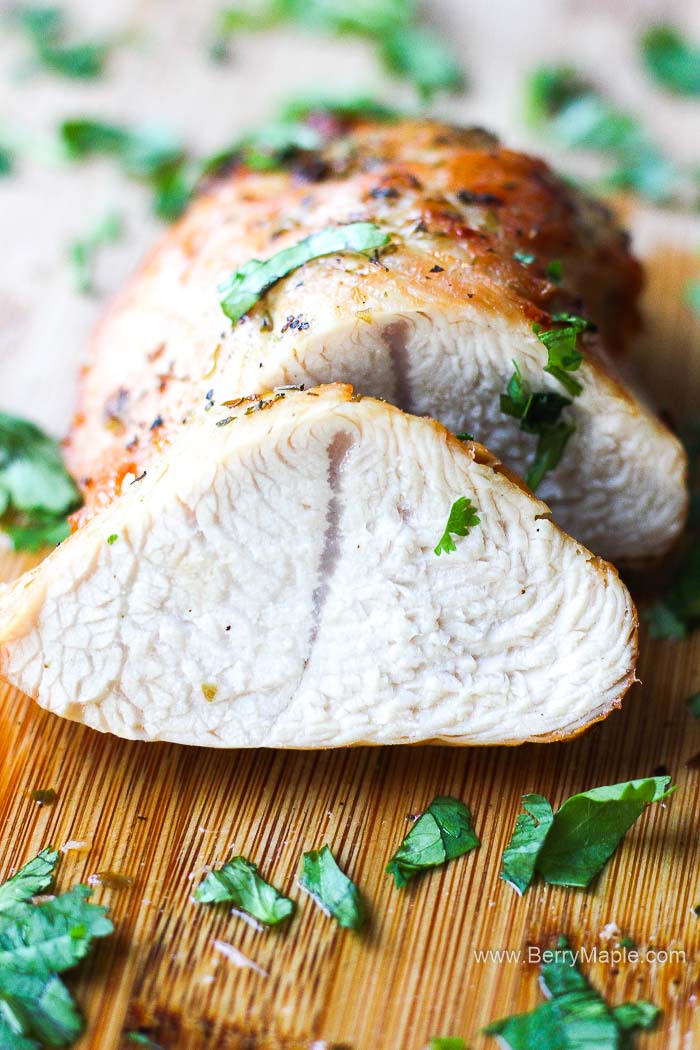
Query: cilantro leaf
point(531, 829)
point(36, 492)
point(347, 107)
point(149, 153)
point(526, 258)
point(332, 890)
point(575, 1015)
point(37, 942)
point(238, 881)
point(679, 610)
point(538, 414)
point(463, 517)
point(244, 288)
point(693, 704)
point(7, 160)
point(570, 847)
point(420, 56)
point(443, 832)
point(45, 28)
point(563, 356)
point(553, 439)
point(82, 253)
point(589, 827)
point(573, 113)
point(446, 1042)
point(35, 877)
point(671, 60)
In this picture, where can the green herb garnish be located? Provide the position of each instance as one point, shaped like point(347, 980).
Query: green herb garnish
point(151, 154)
point(573, 113)
point(82, 253)
point(526, 258)
point(570, 847)
point(239, 883)
point(36, 492)
point(406, 48)
point(693, 705)
point(531, 829)
point(443, 832)
point(46, 30)
point(246, 286)
point(554, 271)
point(419, 56)
point(538, 414)
point(671, 60)
point(563, 356)
point(37, 943)
point(463, 517)
point(332, 890)
point(675, 614)
point(574, 1016)
point(446, 1042)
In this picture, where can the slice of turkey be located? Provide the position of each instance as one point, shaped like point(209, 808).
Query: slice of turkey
point(434, 324)
point(271, 581)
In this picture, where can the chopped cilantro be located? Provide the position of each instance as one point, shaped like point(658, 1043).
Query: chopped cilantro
point(82, 252)
point(246, 286)
point(45, 27)
point(554, 271)
point(37, 943)
point(465, 436)
point(112, 539)
point(676, 613)
point(7, 161)
point(406, 47)
point(151, 154)
point(573, 113)
point(563, 356)
point(446, 1042)
point(526, 258)
point(671, 60)
point(693, 703)
point(419, 56)
point(348, 107)
point(531, 829)
point(570, 847)
point(36, 492)
point(443, 832)
point(239, 883)
point(574, 1015)
point(463, 517)
point(332, 890)
point(538, 414)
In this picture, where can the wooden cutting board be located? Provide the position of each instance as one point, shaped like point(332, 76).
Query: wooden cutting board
point(161, 814)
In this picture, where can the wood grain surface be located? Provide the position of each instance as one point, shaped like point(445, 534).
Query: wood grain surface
point(161, 814)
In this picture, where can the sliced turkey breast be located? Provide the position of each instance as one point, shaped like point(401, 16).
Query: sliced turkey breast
point(273, 580)
point(487, 248)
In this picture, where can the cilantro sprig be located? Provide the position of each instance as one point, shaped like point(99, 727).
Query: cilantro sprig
point(39, 941)
point(575, 1014)
point(331, 888)
point(443, 832)
point(36, 492)
point(238, 882)
point(246, 286)
point(570, 847)
point(462, 518)
point(539, 413)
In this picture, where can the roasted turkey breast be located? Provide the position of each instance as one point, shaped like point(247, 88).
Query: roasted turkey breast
point(272, 580)
point(487, 248)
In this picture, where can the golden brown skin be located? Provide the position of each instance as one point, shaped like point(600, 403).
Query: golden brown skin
point(444, 195)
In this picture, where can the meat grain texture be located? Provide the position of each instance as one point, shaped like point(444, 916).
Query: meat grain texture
point(433, 323)
point(272, 581)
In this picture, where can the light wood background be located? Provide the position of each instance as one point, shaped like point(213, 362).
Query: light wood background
point(161, 814)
